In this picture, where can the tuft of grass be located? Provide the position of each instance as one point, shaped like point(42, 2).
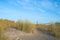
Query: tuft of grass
point(1, 31)
point(57, 29)
point(51, 29)
point(26, 26)
point(2, 37)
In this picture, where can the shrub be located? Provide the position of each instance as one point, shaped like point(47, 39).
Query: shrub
point(25, 26)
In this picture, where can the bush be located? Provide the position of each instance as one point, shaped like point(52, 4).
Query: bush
point(26, 26)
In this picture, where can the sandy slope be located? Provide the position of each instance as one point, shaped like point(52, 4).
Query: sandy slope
point(14, 34)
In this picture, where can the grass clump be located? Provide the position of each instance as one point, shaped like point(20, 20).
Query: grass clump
point(2, 37)
point(26, 26)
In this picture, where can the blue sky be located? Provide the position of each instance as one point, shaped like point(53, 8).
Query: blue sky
point(43, 11)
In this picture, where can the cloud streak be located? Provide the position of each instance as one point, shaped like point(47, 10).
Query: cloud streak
point(35, 5)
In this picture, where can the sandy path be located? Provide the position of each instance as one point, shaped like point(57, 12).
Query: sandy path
point(37, 36)
point(14, 34)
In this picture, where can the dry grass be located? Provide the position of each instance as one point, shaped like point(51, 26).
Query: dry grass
point(25, 26)
point(53, 29)
point(29, 27)
point(2, 37)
